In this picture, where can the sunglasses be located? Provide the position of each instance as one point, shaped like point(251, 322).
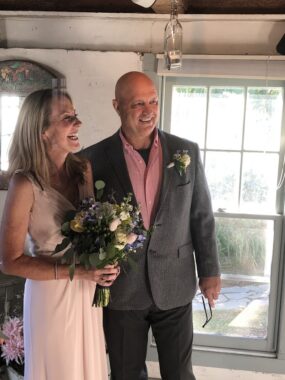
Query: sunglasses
point(208, 313)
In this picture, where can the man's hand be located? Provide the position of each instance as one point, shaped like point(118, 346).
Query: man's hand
point(210, 288)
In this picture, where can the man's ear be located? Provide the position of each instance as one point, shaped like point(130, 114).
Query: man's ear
point(116, 106)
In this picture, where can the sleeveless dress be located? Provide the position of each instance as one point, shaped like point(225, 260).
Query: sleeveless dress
point(63, 333)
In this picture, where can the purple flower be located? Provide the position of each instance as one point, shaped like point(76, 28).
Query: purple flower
point(13, 348)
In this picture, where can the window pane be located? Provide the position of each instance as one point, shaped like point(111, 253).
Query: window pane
point(245, 248)
point(222, 171)
point(263, 118)
point(259, 182)
point(225, 120)
point(188, 113)
point(5, 144)
point(10, 106)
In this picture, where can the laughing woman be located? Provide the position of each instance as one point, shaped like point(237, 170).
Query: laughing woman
point(62, 333)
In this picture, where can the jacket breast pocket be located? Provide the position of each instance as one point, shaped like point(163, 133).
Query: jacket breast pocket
point(183, 185)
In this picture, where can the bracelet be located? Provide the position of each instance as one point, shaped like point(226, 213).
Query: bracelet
point(55, 271)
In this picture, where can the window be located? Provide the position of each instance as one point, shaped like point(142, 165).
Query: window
point(238, 126)
point(9, 109)
point(17, 80)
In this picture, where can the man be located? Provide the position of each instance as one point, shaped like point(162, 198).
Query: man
point(176, 206)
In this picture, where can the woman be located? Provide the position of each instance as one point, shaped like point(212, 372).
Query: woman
point(62, 332)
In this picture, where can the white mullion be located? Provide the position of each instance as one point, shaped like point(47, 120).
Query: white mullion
point(279, 204)
point(238, 215)
point(206, 124)
point(242, 144)
point(275, 285)
point(162, 104)
point(1, 115)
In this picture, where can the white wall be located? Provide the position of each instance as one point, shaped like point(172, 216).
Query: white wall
point(90, 79)
point(91, 73)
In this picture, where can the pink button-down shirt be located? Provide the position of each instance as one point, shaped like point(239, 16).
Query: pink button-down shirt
point(145, 179)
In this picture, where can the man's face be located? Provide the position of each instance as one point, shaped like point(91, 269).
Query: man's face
point(138, 109)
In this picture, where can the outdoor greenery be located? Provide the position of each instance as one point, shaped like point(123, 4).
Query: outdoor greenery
point(241, 245)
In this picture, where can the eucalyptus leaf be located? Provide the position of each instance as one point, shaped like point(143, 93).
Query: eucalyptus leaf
point(68, 255)
point(65, 228)
point(61, 246)
point(94, 259)
point(99, 185)
point(84, 260)
point(71, 271)
point(111, 251)
point(99, 194)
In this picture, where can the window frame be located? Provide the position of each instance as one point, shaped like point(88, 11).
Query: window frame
point(235, 352)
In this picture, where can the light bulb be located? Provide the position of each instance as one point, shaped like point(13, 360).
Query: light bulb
point(144, 3)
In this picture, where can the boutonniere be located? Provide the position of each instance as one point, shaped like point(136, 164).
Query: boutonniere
point(181, 160)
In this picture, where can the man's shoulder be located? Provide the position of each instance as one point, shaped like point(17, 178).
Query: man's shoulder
point(178, 142)
point(99, 146)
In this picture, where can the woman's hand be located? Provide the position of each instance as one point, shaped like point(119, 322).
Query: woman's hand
point(105, 276)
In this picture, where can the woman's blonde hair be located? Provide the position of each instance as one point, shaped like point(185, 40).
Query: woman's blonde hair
point(27, 152)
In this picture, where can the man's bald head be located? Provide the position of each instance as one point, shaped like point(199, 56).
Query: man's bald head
point(136, 103)
point(129, 82)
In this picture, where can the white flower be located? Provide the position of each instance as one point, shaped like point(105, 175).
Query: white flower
point(170, 165)
point(124, 215)
point(185, 159)
point(102, 254)
point(131, 238)
point(114, 224)
point(181, 161)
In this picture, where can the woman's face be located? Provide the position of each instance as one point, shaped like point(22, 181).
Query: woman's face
point(62, 134)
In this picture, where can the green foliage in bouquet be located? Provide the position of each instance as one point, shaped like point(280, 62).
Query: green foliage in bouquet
point(101, 233)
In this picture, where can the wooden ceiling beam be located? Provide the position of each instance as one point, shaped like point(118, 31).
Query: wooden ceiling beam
point(160, 6)
point(108, 6)
point(163, 6)
point(236, 6)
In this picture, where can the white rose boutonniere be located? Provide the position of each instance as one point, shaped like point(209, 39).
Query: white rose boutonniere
point(181, 160)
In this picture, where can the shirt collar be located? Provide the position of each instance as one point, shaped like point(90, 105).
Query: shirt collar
point(128, 147)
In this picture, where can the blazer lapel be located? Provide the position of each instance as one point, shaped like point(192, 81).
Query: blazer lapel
point(166, 172)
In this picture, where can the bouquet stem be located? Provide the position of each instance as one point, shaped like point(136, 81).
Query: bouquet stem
point(101, 296)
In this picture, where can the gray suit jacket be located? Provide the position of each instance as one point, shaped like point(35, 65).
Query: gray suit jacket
point(183, 234)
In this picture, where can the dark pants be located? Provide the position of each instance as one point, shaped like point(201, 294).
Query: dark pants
point(127, 337)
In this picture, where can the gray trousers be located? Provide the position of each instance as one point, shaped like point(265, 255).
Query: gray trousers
point(126, 335)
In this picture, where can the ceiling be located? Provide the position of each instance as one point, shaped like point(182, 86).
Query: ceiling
point(159, 6)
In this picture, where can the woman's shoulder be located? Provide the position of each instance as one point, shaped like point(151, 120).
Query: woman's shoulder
point(21, 187)
point(21, 179)
point(25, 180)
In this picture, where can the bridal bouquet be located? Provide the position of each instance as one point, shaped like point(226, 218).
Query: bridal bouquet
point(101, 233)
